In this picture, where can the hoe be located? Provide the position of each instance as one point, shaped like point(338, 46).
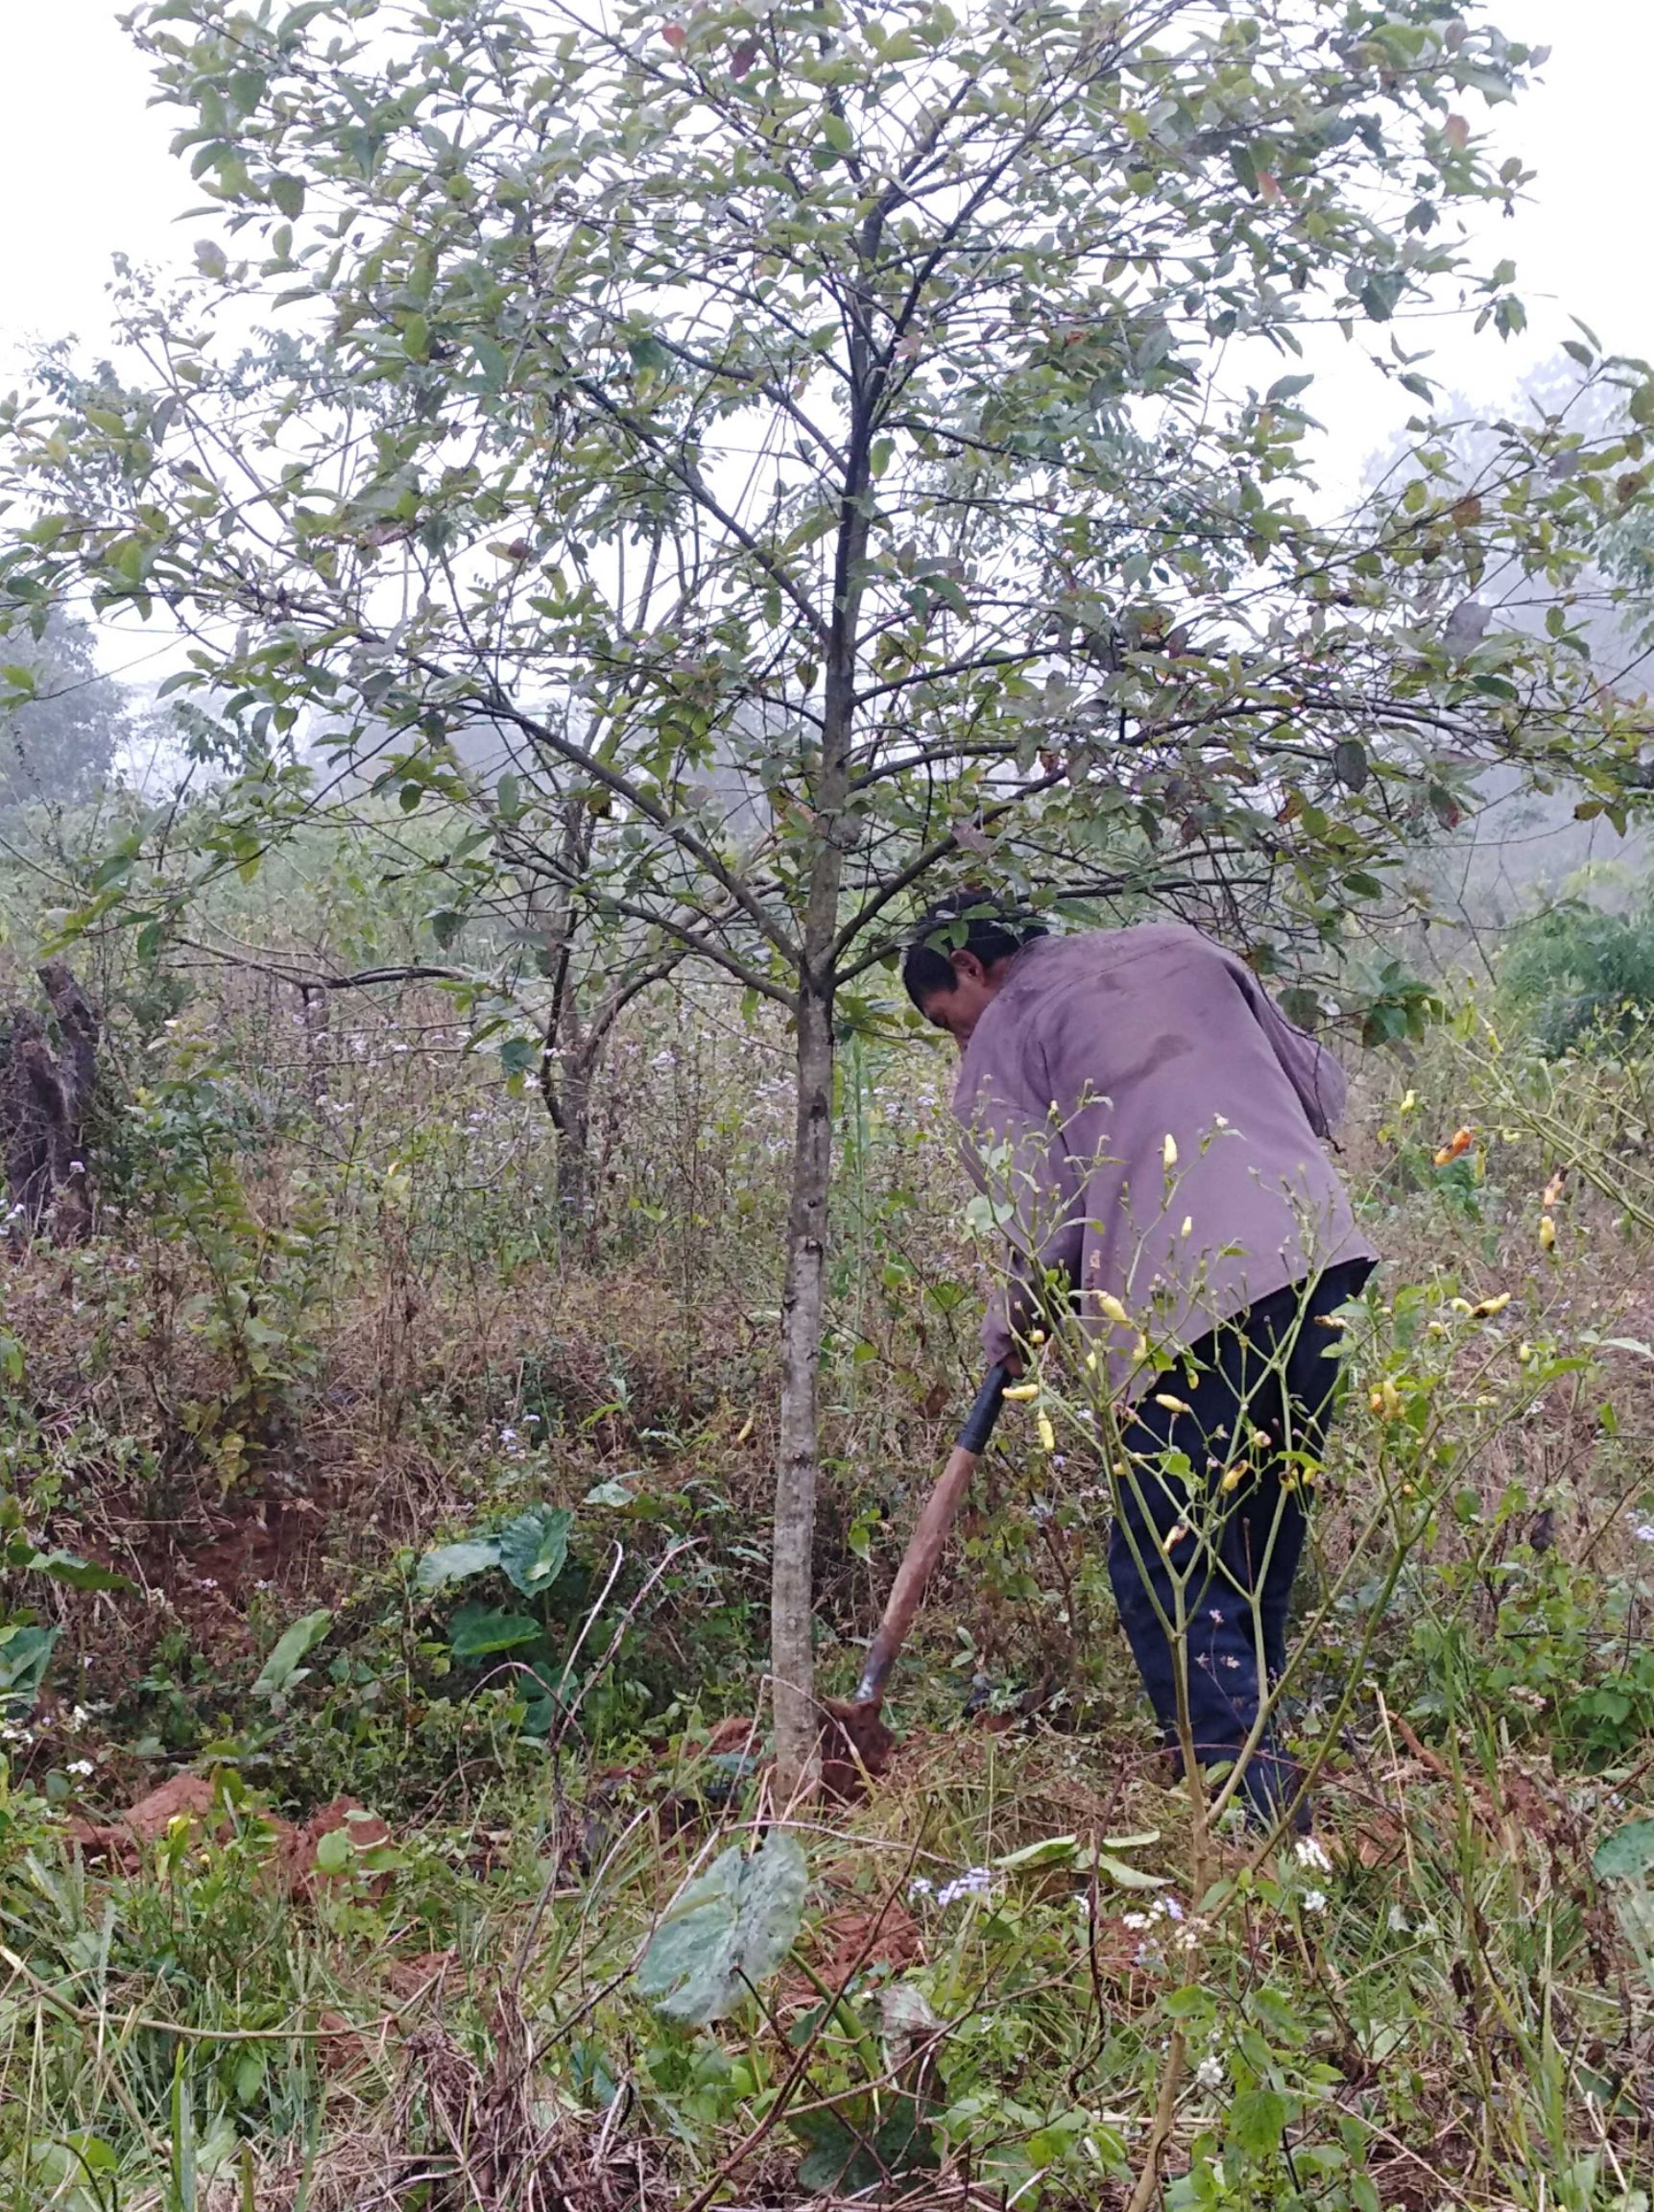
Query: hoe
point(855, 1742)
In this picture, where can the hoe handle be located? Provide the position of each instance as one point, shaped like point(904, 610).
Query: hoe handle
point(925, 1546)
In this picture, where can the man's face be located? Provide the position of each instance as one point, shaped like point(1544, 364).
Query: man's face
point(975, 990)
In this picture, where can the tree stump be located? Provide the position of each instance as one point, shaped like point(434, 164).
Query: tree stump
point(46, 1086)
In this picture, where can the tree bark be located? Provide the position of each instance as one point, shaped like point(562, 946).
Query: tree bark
point(792, 1614)
point(567, 1091)
point(44, 1096)
point(792, 1610)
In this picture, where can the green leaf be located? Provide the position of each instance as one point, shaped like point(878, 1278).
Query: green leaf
point(1258, 2121)
point(731, 1928)
point(209, 258)
point(281, 1668)
point(613, 1491)
point(477, 1631)
point(334, 1851)
point(24, 1653)
point(288, 194)
point(181, 2160)
point(647, 352)
point(1350, 763)
point(836, 132)
point(533, 1547)
point(847, 2160)
point(1049, 1851)
point(77, 1574)
point(456, 1563)
point(1125, 1877)
point(1627, 1855)
point(491, 360)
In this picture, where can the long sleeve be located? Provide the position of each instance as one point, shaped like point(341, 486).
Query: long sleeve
point(1018, 1160)
point(1307, 1066)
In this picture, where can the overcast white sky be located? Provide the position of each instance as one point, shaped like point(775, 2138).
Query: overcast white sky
point(85, 173)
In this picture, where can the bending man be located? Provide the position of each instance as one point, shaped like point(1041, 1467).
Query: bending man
point(1153, 1124)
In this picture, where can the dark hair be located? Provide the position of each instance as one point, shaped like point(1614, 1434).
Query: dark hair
point(973, 920)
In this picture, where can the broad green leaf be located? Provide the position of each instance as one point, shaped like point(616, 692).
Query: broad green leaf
point(334, 1851)
point(1257, 2122)
point(846, 2160)
point(477, 1631)
point(1624, 1863)
point(1049, 1851)
point(456, 1562)
point(24, 1653)
point(1627, 1855)
point(1124, 1877)
point(534, 1547)
point(613, 1492)
point(281, 1668)
point(288, 194)
point(78, 1573)
point(1350, 763)
point(731, 1928)
point(491, 359)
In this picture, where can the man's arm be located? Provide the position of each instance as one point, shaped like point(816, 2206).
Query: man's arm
point(1312, 1070)
point(1019, 1161)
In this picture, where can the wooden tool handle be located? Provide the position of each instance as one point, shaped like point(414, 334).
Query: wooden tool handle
point(925, 1546)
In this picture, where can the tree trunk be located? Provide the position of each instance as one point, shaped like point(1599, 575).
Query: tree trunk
point(792, 1611)
point(567, 1089)
point(44, 1098)
point(313, 1016)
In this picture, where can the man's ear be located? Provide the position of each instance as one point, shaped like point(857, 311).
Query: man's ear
point(968, 966)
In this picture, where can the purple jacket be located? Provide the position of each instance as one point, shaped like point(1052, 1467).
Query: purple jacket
point(1109, 1055)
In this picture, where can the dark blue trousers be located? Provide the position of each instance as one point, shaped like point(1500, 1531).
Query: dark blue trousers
point(1256, 1395)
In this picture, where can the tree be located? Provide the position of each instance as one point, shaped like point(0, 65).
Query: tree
point(835, 448)
point(60, 719)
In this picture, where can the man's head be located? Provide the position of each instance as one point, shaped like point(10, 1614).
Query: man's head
point(957, 957)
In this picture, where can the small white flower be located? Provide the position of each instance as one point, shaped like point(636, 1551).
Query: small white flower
point(1134, 1920)
point(81, 1766)
point(1643, 1532)
point(974, 1882)
point(1398, 1921)
point(210, 1581)
point(1209, 2074)
point(1315, 1900)
point(1167, 1909)
point(921, 1886)
point(508, 1435)
point(1311, 1854)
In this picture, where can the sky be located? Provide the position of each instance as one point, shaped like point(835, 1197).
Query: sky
point(85, 174)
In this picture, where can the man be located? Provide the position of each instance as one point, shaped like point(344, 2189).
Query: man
point(1150, 1123)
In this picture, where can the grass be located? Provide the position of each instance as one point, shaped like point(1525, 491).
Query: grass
point(319, 1338)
